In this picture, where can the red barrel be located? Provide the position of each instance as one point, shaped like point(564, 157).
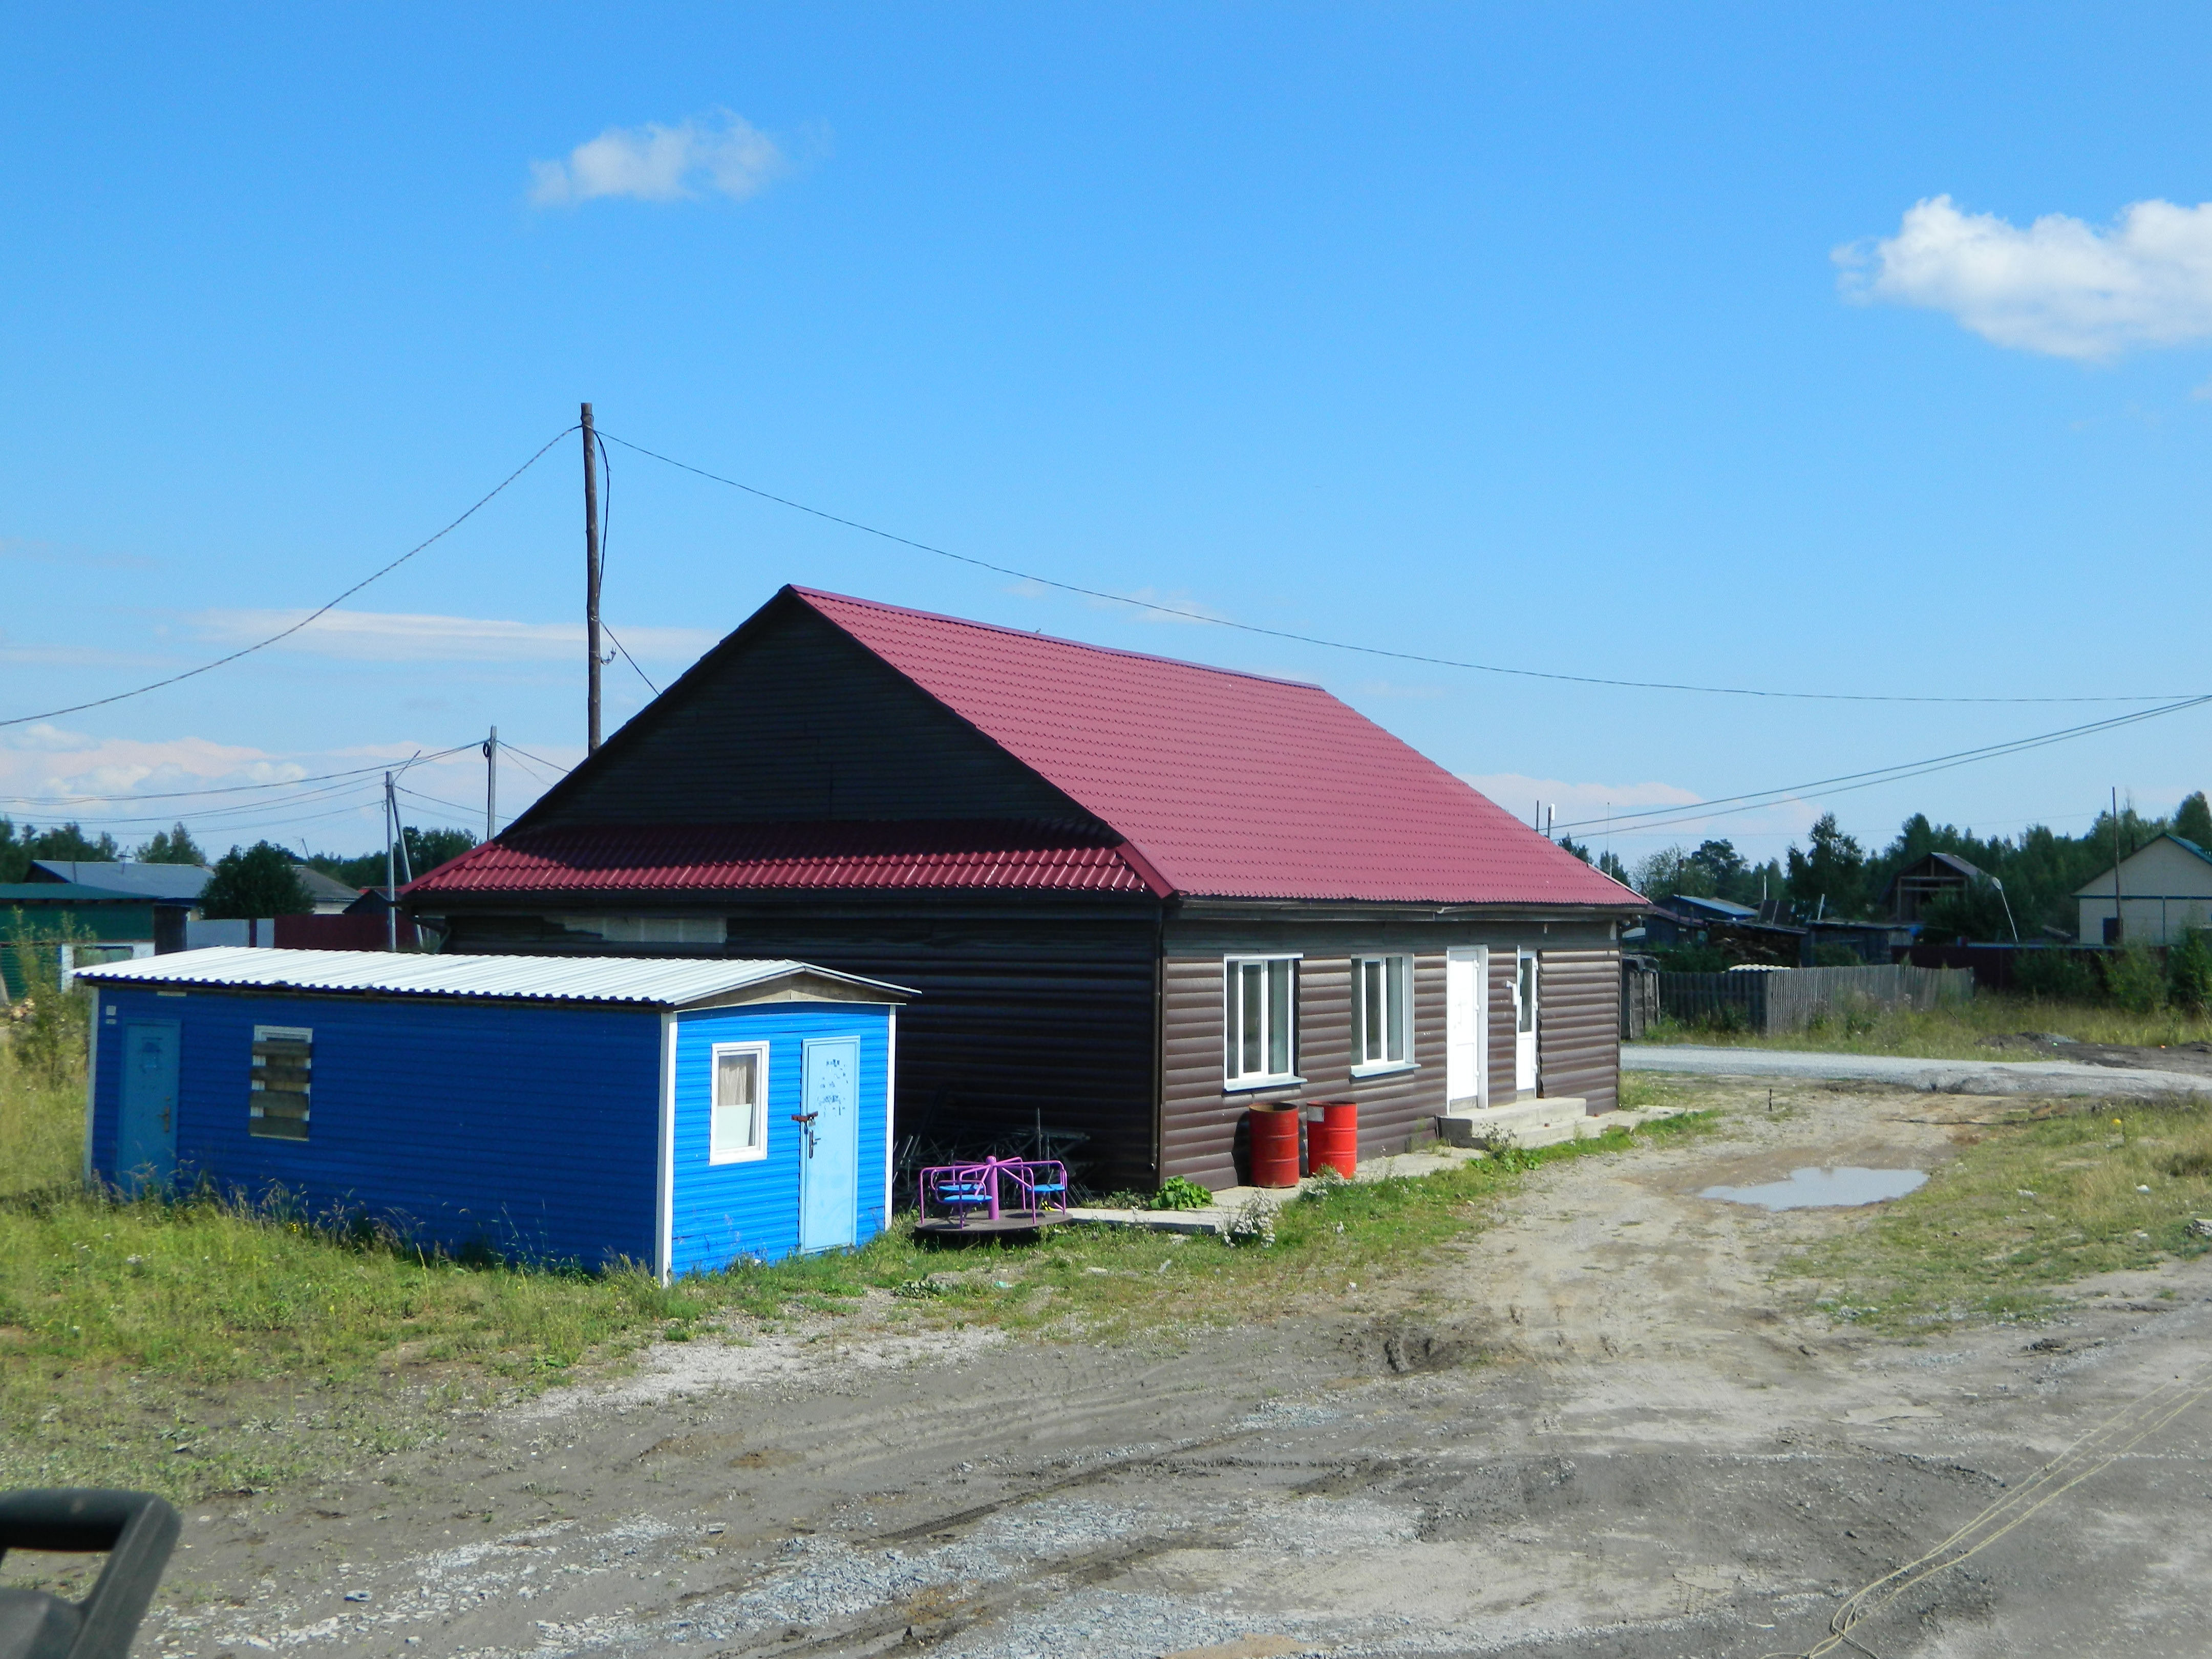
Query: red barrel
point(1275, 1144)
point(1333, 1142)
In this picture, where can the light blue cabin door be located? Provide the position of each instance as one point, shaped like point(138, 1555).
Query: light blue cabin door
point(830, 1143)
point(146, 1146)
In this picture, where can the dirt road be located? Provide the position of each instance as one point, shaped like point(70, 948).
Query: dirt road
point(1593, 1430)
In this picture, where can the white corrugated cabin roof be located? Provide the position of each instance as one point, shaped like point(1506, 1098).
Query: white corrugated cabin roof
point(655, 982)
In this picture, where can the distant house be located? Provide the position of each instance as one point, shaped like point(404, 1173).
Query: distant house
point(171, 884)
point(1137, 896)
point(329, 896)
point(1920, 883)
point(174, 882)
point(2165, 888)
point(74, 925)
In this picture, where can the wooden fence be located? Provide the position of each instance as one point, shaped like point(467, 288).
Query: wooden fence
point(1790, 999)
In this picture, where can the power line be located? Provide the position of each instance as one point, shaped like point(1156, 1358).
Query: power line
point(260, 645)
point(540, 759)
point(223, 789)
point(626, 657)
point(1335, 645)
point(1661, 817)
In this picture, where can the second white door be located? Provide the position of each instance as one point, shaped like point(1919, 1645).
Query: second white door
point(1524, 1024)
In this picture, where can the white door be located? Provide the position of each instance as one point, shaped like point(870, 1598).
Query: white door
point(1466, 1028)
point(1524, 1025)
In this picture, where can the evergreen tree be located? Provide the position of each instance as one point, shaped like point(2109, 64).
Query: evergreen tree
point(1829, 879)
point(172, 846)
point(2192, 820)
point(255, 881)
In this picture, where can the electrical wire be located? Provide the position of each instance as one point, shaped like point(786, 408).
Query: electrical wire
point(1340, 645)
point(222, 789)
point(606, 536)
point(549, 766)
point(626, 657)
point(1661, 818)
point(261, 644)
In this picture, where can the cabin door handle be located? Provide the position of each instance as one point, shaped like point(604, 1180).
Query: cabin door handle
point(805, 1120)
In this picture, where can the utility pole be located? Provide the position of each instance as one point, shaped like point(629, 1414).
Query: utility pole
point(2119, 916)
point(591, 584)
point(491, 784)
point(390, 881)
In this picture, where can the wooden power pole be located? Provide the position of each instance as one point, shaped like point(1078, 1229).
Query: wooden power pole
point(591, 585)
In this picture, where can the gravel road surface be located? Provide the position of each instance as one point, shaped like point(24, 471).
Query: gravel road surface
point(1980, 1077)
point(1598, 1428)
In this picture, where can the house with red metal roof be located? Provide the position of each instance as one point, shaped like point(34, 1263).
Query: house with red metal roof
point(1136, 896)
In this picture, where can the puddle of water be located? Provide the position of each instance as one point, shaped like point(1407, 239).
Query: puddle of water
point(1808, 1189)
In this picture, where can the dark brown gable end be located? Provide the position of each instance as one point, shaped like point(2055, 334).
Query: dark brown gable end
point(791, 719)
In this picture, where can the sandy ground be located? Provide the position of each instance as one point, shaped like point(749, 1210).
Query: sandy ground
point(1594, 1430)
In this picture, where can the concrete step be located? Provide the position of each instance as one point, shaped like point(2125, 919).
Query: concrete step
point(1544, 1121)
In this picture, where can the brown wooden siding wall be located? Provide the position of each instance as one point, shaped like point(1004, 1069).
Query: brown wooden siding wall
point(1201, 1123)
point(1578, 1025)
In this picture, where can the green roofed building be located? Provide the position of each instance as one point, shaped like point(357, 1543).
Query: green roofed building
point(71, 925)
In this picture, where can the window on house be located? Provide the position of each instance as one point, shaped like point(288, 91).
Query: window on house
point(283, 1079)
point(649, 930)
point(1260, 1020)
point(1381, 1012)
point(738, 1126)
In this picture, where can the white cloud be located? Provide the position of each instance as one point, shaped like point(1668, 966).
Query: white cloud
point(2061, 286)
point(724, 154)
point(385, 636)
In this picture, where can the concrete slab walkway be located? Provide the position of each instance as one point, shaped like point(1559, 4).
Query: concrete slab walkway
point(1229, 1201)
point(1962, 1077)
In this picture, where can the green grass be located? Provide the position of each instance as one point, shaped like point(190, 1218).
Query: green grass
point(1960, 1032)
point(41, 1126)
point(2030, 1207)
point(197, 1343)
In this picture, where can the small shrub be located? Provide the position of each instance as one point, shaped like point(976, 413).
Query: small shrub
point(1178, 1193)
point(1837, 956)
point(2190, 1165)
point(2056, 976)
point(2189, 971)
point(1253, 1222)
point(49, 1025)
point(2137, 980)
point(1724, 1019)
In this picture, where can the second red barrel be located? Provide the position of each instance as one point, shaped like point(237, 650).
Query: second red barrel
point(1333, 1142)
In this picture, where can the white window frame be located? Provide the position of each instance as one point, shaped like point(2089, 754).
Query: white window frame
point(1370, 1049)
point(754, 1149)
point(1235, 1081)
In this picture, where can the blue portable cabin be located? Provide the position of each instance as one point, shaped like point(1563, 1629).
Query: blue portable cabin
point(681, 1114)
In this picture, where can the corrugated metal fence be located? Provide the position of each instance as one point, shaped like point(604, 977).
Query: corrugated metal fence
point(1790, 999)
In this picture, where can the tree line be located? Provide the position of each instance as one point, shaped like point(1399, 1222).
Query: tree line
point(1833, 876)
point(260, 880)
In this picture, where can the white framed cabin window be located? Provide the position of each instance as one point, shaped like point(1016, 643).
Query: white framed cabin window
point(1382, 1015)
point(737, 1127)
point(1260, 1022)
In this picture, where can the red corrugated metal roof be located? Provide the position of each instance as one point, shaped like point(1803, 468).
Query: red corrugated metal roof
point(1228, 784)
point(724, 858)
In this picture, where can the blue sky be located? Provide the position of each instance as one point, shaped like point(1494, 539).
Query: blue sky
point(1510, 335)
